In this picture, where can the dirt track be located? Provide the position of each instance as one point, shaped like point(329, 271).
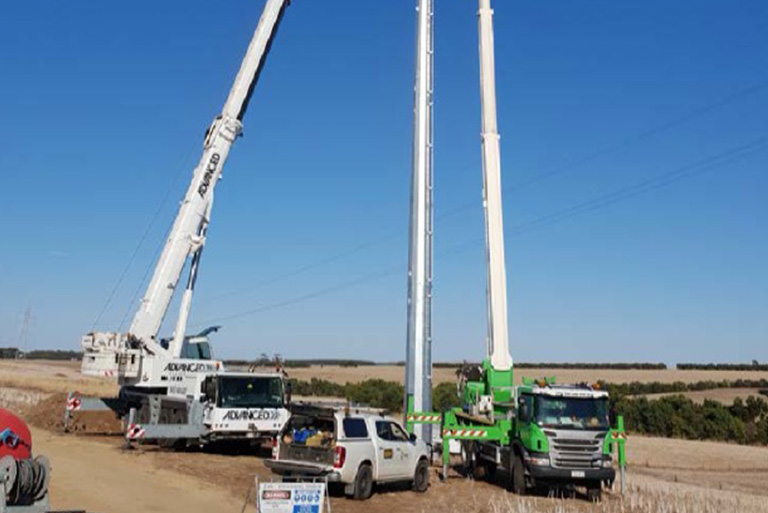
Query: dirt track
point(93, 474)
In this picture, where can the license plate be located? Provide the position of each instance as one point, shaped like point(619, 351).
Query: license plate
point(577, 473)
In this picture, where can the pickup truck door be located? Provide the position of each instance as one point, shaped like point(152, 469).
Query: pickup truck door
point(395, 451)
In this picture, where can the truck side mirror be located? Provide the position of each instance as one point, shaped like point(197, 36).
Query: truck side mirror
point(288, 391)
point(208, 389)
point(412, 437)
point(524, 412)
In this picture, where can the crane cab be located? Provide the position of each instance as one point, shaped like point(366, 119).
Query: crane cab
point(245, 405)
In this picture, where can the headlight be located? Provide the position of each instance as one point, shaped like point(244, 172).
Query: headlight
point(608, 463)
point(540, 461)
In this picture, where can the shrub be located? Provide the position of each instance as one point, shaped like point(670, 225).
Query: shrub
point(377, 393)
point(444, 397)
point(680, 417)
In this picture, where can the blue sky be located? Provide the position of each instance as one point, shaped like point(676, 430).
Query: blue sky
point(104, 107)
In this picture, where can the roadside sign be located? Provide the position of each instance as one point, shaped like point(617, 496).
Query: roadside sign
point(291, 497)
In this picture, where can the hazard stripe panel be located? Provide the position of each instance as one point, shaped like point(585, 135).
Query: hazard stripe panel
point(465, 432)
point(134, 432)
point(424, 418)
point(74, 402)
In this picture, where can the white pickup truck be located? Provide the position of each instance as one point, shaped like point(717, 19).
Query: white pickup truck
point(354, 449)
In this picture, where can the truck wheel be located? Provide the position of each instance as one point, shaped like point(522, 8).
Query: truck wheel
point(490, 470)
point(421, 477)
point(363, 486)
point(517, 478)
point(594, 492)
point(468, 459)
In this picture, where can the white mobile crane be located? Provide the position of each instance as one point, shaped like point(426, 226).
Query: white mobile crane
point(173, 389)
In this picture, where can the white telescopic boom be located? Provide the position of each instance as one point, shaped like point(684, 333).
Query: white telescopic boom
point(498, 337)
point(188, 234)
point(418, 366)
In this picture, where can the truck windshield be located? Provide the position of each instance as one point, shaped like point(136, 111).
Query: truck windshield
point(571, 412)
point(250, 392)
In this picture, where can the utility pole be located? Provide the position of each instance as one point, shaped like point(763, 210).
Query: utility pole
point(418, 362)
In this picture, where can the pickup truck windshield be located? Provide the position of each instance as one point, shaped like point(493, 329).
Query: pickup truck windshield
point(250, 392)
point(571, 412)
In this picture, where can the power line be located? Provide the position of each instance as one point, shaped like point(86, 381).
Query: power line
point(303, 269)
point(572, 165)
point(143, 238)
point(137, 290)
point(624, 193)
point(646, 134)
point(731, 155)
point(306, 297)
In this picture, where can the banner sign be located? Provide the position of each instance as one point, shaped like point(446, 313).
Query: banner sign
point(291, 497)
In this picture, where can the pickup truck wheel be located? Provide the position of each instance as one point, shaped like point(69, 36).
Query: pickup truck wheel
point(421, 477)
point(517, 478)
point(363, 483)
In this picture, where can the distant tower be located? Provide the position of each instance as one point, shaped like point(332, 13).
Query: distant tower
point(24, 330)
point(418, 362)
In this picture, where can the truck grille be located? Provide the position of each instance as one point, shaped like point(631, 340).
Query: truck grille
point(571, 452)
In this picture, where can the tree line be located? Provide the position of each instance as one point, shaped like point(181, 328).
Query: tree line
point(267, 361)
point(618, 390)
point(744, 422)
point(376, 393)
point(754, 366)
point(675, 416)
point(13, 353)
point(10, 353)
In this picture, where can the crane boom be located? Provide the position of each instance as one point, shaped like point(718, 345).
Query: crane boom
point(170, 392)
point(187, 237)
point(105, 352)
point(498, 337)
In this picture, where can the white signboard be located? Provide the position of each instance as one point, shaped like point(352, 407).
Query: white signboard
point(291, 497)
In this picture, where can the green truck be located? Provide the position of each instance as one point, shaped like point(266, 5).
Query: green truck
point(541, 434)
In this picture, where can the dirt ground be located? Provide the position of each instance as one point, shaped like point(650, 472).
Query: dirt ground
point(97, 474)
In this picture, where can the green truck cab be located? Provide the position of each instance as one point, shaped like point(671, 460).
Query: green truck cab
point(562, 435)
